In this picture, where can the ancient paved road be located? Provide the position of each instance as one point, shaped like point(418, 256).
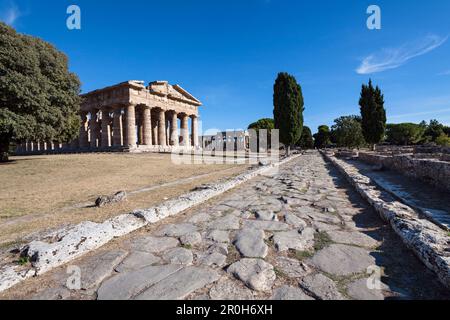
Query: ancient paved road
point(301, 234)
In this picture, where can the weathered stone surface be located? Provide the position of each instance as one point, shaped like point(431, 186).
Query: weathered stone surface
point(179, 256)
point(191, 239)
point(359, 290)
point(299, 240)
point(137, 260)
point(255, 273)
point(292, 268)
point(227, 289)
point(220, 236)
point(321, 287)
point(176, 230)
point(342, 260)
point(266, 225)
point(428, 241)
point(200, 217)
point(250, 243)
point(354, 238)
point(324, 227)
point(212, 259)
point(180, 284)
point(289, 293)
point(266, 215)
point(229, 222)
point(58, 293)
point(126, 285)
point(154, 244)
point(294, 221)
point(106, 200)
point(98, 267)
point(73, 242)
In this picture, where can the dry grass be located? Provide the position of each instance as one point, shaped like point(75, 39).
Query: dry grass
point(42, 192)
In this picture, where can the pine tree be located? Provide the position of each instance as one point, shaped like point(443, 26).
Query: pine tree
point(288, 109)
point(39, 97)
point(373, 114)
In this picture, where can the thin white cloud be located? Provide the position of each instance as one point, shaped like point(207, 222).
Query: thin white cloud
point(11, 14)
point(392, 58)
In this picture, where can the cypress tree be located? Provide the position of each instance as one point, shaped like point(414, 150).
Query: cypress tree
point(373, 114)
point(288, 109)
point(306, 141)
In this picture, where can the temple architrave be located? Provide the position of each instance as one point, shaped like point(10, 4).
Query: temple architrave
point(132, 117)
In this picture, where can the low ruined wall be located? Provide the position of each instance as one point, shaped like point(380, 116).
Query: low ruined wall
point(434, 172)
point(428, 241)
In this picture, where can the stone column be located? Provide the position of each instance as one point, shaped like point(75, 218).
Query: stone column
point(194, 128)
point(106, 142)
point(162, 128)
point(43, 146)
point(83, 132)
point(117, 128)
point(131, 125)
point(154, 121)
point(185, 130)
point(147, 125)
point(93, 129)
point(174, 139)
point(167, 115)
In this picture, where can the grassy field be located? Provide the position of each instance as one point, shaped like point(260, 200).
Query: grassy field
point(42, 192)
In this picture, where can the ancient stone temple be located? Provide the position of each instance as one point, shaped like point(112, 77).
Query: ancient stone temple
point(132, 117)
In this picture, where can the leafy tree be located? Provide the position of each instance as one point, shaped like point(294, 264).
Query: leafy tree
point(347, 132)
point(404, 133)
point(39, 97)
point(306, 140)
point(288, 109)
point(322, 137)
point(434, 130)
point(373, 114)
point(265, 123)
point(443, 140)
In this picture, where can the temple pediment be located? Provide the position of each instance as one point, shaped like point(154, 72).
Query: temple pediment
point(176, 92)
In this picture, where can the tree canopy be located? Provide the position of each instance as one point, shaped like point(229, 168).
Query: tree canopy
point(347, 132)
point(306, 140)
point(373, 114)
point(288, 109)
point(265, 123)
point(322, 137)
point(404, 133)
point(39, 97)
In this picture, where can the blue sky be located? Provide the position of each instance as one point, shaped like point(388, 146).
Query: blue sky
point(228, 53)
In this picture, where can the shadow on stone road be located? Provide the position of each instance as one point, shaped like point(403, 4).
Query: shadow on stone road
point(404, 274)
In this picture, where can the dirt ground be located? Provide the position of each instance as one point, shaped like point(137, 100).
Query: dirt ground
point(43, 192)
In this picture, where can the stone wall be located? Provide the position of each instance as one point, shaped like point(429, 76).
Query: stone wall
point(434, 172)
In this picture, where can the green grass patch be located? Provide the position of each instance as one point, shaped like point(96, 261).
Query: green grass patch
point(23, 261)
point(303, 255)
point(321, 240)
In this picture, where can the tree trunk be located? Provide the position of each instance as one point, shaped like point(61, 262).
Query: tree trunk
point(4, 150)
